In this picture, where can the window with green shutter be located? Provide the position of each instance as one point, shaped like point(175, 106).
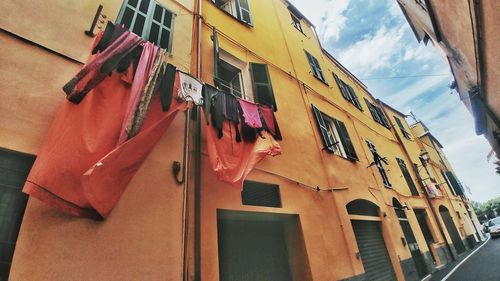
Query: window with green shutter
point(262, 88)
point(149, 20)
point(407, 176)
point(239, 9)
point(315, 68)
point(377, 114)
point(335, 136)
point(402, 128)
point(378, 161)
point(347, 92)
point(454, 183)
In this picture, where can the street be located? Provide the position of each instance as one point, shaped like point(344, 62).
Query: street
point(483, 265)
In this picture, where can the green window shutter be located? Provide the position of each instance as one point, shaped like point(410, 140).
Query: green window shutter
point(382, 117)
point(346, 140)
point(323, 130)
point(372, 111)
point(354, 97)
point(402, 128)
point(407, 176)
point(262, 88)
point(243, 10)
point(315, 68)
point(216, 54)
point(340, 83)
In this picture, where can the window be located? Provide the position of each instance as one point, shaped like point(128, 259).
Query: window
point(335, 136)
point(149, 20)
point(296, 22)
point(379, 161)
point(402, 128)
point(347, 92)
point(377, 114)
point(240, 78)
point(239, 9)
point(452, 181)
point(260, 194)
point(406, 175)
point(315, 68)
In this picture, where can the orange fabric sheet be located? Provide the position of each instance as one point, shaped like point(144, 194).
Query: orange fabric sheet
point(232, 161)
point(79, 168)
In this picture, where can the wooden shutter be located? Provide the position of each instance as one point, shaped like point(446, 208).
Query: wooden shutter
point(340, 83)
point(323, 129)
point(262, 88)
point(353, 97)
point(216, 54)
point(346, 140)
point(402, 128)
point(372, 111)
point(382, 117)
point(407, 176)
point(243, 10)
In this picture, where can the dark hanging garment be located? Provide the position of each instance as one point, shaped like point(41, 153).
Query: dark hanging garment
point(216, 113)
point(209, 93)
point(167, 86)
point(109, 35)
point(269, 121)
point(100, 66)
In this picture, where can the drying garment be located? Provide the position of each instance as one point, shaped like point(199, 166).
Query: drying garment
point(79, 169)
point(167, 76)
point(111, 32)
point(432, 191)
point(190, 88)
point(141, 75)
point(209, 92)
point(250, 113)
point(232, 161)
point(149, 90)
point(100, 66)
point(269, 121)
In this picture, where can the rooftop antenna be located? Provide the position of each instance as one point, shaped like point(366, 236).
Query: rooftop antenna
point(414, 117)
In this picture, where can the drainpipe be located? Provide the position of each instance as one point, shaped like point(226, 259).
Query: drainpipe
point(421, 182)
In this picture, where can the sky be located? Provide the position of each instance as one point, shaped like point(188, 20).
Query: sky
point(374, 41)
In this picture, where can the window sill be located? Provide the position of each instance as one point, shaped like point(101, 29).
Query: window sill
point(232, 16)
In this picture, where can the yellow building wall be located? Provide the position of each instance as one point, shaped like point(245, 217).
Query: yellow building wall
point(43, 46)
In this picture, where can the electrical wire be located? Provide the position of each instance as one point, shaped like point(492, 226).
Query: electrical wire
point(404, 76)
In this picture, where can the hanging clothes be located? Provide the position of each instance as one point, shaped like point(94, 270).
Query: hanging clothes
point(209, 92)
point(100, 66)
point(269, 121)
point(80, 169)
point(167, 76)
point(232, 161)
point(141, 75)
point(250, 113)
point(148, 91)
point(190, 88)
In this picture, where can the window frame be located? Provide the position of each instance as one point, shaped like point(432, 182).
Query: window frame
point(405, 133)
point(347, 92)
point(315, 67)
point(296, 22)
point(149, 18)
point(407, 176)
point(237, 6)
point(377, 114)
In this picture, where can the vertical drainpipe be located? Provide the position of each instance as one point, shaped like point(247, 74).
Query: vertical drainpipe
point(197, 155)
point(421, 183)
point(194, 115)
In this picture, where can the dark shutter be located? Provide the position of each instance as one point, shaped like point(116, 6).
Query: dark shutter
point(402, 128)
point(216, 54)
point(452, 230)
point(382, 117)
point(354, 98)
point(373, 111)
point(406, 175)
point(346, 140)
point(454, 183)
point(261, 194)
point(262, 88)
point(374, 254)
point(14, 169)
point(323, 129)
point(340, 83)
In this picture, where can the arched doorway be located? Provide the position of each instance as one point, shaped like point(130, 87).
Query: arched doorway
point(411, 241)
point(452, 229)
point(367, 226)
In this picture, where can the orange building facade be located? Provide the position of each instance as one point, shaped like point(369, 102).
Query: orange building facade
point(356, 194)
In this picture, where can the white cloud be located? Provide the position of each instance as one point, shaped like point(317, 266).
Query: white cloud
point(374, 52)
point(327, 15)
